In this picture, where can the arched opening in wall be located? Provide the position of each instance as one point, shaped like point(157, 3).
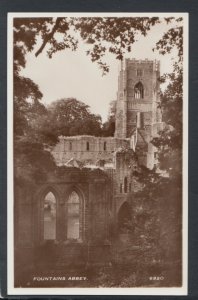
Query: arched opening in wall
point(87, 146)
point(124, 218)
point(139, 91)
point(105, 146)
point(49, 217)
point(70, 146)
point(73, 216)
point(125, 185)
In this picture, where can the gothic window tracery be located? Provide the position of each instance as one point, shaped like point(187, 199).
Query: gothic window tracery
point(139, 91)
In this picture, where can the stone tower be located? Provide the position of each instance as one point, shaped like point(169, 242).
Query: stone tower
point(137, 98)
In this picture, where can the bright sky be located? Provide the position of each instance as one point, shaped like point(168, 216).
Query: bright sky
point(72, 74)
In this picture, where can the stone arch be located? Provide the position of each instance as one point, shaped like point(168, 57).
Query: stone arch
point(48, 188)
point(77, 189)
point(43, 232)
point(123, 217)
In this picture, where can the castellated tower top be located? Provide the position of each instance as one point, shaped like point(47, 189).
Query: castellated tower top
point(128, 62)
point(137, 96)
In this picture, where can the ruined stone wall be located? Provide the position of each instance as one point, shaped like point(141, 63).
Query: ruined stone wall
point(124, 179)
point(30, 246)
point(87, 148)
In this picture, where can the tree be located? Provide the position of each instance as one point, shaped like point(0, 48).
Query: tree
point(72, 117)
point(31, 139)
point(169, 145)
point(109, 126)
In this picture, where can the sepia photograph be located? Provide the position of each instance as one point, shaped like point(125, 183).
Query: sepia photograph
point(97, 142)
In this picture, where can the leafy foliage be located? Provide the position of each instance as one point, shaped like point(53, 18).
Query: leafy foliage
point(71, 117)
point(109, 126)
point(169, 142)
point(103, 35)
point(114, 35)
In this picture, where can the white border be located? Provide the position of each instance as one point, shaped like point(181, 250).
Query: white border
point(10, 191)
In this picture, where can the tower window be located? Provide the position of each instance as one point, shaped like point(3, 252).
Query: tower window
point(87, 146)
point(125, 184)
point(120, 187)
point(105, 145)
point(139, 91)
point(70, 146)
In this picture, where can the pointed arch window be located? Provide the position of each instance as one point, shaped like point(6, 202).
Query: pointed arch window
point(73, 216)
point(87, 146)
point(49, 217)
point(139, 91)
point(105, 146)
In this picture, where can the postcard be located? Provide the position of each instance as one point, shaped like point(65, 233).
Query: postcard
point(97, 153)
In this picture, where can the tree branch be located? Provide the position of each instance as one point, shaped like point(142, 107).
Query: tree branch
point(49, 36)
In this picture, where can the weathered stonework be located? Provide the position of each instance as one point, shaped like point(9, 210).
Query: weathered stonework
point(95, 205)
point(132, 105)
point(88, 149)
point(138, 99)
